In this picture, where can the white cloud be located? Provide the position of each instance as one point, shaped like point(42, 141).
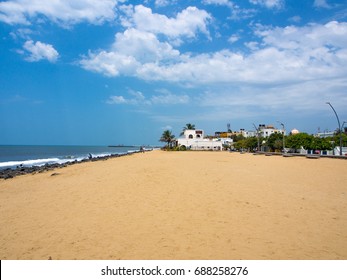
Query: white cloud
point(143, 46)
point(39, 51)
point(305, 97)
point(110, 63)
point(163, 3)
point(117, 99)
point(237, 12)
point(64, 12)
point(233, 38)
point(138, 98)
point(186, 23)
point(331, 35)
point(22, 33)
point(321, 4)
point(217, 2)
point(269, 3)
point(131, 49)
point(252, 45)
point(283, 55)
point(169, 98)
point(295, 19)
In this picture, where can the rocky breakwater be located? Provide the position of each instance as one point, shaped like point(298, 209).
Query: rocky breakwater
point(9, 173)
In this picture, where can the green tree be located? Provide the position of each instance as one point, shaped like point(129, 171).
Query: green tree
point(238, 137)
point(308, 142)
point(240, 145)
point(188, 126)
point(321, 144)
point(252, 143)
point(167, 137)
point(278, 144)
point(275, 141)
point(296, 141)
point(336, 139)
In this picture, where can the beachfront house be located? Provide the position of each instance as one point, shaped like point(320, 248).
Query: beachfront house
point(264, 131)
point(267, 130)
point(194, 139)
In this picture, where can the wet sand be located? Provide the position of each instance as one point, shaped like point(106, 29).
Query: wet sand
point(179, 205)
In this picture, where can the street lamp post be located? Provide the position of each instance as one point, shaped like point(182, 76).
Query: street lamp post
point(257, 129)
point(339, 126)
point(283, 136)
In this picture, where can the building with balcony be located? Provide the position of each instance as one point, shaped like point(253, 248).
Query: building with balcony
point(267, 130)
point(194, 139)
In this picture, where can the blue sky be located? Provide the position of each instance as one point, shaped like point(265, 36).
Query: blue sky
point(99, 72)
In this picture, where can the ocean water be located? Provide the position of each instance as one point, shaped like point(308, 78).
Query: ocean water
point(13, 156)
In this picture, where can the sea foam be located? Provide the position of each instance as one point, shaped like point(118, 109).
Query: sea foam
point(36, 162)
point(41, 155)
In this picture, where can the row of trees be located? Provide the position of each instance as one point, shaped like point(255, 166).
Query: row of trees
point(295, 141)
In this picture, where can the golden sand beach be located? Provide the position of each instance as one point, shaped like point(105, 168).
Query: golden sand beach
point(179, 205)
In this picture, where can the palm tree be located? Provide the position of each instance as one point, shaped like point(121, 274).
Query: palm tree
point(167, 137)
point(188, 126)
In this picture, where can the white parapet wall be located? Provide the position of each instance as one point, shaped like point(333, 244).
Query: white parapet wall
point(202, 145)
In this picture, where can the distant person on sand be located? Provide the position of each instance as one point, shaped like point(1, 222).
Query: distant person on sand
point(142, 150)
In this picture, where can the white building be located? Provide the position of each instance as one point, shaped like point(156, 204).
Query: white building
point(193, 139)
point(264, 131)
point(248, 133)
point(267, 130)
point(325, 134)
point(226, 141)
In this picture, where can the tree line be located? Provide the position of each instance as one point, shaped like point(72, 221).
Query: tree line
point(294, 142)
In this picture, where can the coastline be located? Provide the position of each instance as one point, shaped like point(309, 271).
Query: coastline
point(178, 205)
point(9, 173)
